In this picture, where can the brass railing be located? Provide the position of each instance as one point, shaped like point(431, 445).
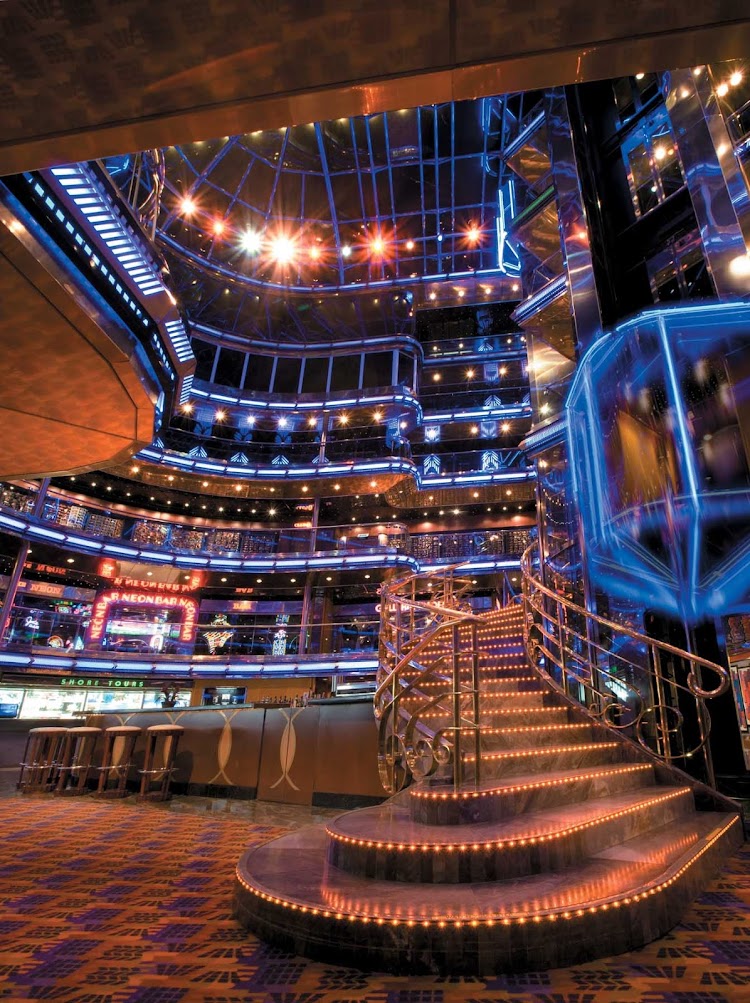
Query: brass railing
point(648, 690)
point(427, 697)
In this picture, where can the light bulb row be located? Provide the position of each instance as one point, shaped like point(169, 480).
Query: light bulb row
point(505, 844)
point(430, 795)
point(495, 919)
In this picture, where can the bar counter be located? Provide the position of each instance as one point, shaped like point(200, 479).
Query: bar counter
point(324, 754)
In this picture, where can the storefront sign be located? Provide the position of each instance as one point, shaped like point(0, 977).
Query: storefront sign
point(107, 683)
point(188, 606)
point(47, 569)
point(109, 568)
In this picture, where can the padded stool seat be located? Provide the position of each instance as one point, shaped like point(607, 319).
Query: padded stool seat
point(41, 758)
point(117, 760)
point(161, 748)
point(77, 760)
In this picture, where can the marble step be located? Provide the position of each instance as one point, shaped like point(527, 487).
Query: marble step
point(505, 736)
point(384, 843)
point(540, 760)
point(506, 715)
point(436, 803)
point(622, 897)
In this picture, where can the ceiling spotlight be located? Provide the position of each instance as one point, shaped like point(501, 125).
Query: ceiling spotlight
point(220, 415)
point(377, 246)
point(223, 579)
point(373, 484)
point(515, 287)
point(473, 234)
point(469, 374)
point(544, 409)
point(305, 488)
point(640, 76)
point(133, 470)
point(722, 90)
point(187, 206)
point(433, 296)
point(314, 252)
point(283, 423)
point(272, 511)
point(282, 250)
point(71, 560)
point(344, 419)
point(204, 484)
point(293, 581)
point(436, 377)
point(238, 487)
point(218, 227)
point(251, 241)
point(346, 251)
point(336, 487)
point(461, 293)
point(409, 245)
point(474, 429)
point(311, 420)
point(258, 580)
point(736, 79)
point(250, 419)
point(378, 415)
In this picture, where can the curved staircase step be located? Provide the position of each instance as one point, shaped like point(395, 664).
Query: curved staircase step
point(491, 800)
point(383, 842)
point(288, 893)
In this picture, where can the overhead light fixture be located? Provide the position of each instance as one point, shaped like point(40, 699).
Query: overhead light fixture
point(218, 227)
point(187, 206)
point(251, 241)
point(282, 250)
point(346, 251)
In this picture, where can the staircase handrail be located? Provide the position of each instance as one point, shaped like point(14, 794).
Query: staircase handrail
point(408, 746)
point(630, 693)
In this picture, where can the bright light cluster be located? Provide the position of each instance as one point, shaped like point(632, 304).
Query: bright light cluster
point(283, 248)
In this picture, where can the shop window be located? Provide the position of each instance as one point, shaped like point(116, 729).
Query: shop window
point(680, 272)
point(258, 374)
point(204, 359)
point(632, 93)
point(229, 367)
point(315, 376)
point(378, 369)
point(345, 372)
point(286, 380)
point(653, 164)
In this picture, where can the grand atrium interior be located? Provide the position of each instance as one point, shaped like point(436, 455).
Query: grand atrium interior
point(374, 502)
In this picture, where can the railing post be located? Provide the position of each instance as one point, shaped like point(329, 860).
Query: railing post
point(475, 701)
point(561, 647)
point(457, 760)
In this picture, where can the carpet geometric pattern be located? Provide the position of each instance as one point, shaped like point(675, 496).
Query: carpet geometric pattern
point(107, 902)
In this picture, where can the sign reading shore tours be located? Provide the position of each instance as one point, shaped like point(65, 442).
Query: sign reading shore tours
point(106, 683)
point(187, 606)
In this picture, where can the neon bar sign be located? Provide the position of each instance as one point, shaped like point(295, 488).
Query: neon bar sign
point(100, 611)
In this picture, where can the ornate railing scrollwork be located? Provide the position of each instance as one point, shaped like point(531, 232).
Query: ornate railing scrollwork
point(650, 691)
point(427, 696)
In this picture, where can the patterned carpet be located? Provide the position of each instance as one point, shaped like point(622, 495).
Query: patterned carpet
point(123, 903)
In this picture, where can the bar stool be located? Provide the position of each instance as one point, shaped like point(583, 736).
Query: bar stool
point(119, 745)
point(161, 746)
point(76, 760)
point(41, 758)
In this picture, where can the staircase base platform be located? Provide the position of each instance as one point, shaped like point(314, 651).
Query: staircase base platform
point(288, 893)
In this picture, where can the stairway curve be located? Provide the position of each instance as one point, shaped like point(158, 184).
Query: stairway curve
point(573, 846)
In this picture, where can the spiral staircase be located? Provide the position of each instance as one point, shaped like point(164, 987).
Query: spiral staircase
point(535, 757)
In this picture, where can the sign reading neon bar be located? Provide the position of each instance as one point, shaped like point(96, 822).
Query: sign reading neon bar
point(187, 606)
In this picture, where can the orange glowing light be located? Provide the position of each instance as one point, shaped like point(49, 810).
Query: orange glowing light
point(218, 227)
point(188, 206)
